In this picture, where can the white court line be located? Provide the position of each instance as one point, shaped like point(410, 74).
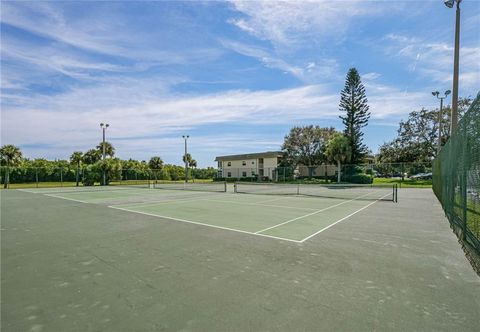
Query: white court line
point(237, 230)
point(259, 204)
point(69, 199)
point(311, 214)
point(74, 190)
point(203, 224)
point(336, 222)
point(158, 202)
point(29, 191)
point(181, 220)
point(272, 200)
point(129, 191)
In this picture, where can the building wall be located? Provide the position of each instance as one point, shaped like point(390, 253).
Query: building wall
point(269, 165)
point(237, 169)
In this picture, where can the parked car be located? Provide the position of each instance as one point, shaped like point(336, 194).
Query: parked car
point(421, 176)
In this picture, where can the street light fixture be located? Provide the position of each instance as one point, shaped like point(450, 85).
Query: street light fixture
point(456, 56)
point(449, 3)
point(185, 137)
point(104, 127)
point(436, 94)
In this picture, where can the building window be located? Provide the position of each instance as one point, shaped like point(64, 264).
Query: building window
point(229, 174)
point(244, 174)
point(244, 163)
point(253, 163)
point(253, 173)
point(229, 163)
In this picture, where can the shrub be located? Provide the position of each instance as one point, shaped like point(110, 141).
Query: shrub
point(90, 176)
point(359, 178)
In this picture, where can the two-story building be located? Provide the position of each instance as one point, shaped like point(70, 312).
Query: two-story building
point(262, 164)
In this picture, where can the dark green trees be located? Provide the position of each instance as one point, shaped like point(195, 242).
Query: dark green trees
point(353, 103)
point(76, 159)
point(306, 145)
point(10, 155)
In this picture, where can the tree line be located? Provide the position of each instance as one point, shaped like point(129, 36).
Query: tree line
point(417, 136)
point(88, 167)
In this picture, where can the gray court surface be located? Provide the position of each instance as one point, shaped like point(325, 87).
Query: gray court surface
point(71, 265)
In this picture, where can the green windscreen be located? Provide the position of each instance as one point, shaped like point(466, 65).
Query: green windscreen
point(456, 176)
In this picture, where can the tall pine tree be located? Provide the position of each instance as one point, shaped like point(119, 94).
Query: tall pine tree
point(353, 102)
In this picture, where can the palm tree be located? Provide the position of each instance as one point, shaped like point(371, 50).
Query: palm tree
point(187, 159)
point(193, 165)
point(338, 150)
point(11, 156)
point(91, 156)
point(109, 149)
point(76, 159)
point(155, 163)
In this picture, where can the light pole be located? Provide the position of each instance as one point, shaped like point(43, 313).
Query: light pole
point(456, 56)
point(436, 94)
point(185, 137)
point(104, 127)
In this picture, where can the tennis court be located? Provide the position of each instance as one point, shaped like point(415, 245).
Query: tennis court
point(285, 212)
point(140, 259)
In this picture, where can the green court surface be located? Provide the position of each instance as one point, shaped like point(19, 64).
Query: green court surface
point(140, 259)
point(296, 218)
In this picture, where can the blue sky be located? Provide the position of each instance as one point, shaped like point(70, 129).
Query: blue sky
point(235, 76)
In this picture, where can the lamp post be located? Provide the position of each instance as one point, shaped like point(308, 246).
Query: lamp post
point(104, 127)
point(456, 56)
point(436, 94)
point(185, 137)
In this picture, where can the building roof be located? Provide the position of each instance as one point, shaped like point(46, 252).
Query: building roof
point(268, 154)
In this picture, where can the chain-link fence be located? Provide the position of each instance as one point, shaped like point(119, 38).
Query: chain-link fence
point(38, 177)
point(363, 173)
point(456, 176)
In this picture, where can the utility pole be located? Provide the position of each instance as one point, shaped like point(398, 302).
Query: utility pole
point(104, 127)
point(185, 137)
point(440, 115)
point(456, 60)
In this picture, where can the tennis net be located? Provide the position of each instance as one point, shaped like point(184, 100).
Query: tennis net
point(129, 184)
point(194, 186)
point(341, 191)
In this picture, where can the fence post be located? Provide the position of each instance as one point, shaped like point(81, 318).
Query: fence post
point(7, 177)
point(36, 176)
point(464, 185)
point(61, 177)
point(402, 169)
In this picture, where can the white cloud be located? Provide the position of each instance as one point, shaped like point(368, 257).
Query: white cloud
point(435, 61)
point(106, 31)
point(321, 70)
point(139, 113)
point(370, 76)
point(298, 22)
point(388, 103)
point(263, 56)
point(128, 90)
